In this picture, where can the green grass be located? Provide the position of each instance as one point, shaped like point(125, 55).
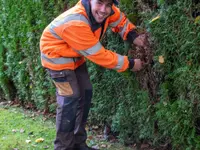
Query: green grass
point(13, 120)
point(34, 126)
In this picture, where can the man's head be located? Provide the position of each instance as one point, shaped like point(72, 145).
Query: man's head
point(101, 9)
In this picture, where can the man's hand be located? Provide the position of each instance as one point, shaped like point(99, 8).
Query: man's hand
point(141, 40)
point(138, 65)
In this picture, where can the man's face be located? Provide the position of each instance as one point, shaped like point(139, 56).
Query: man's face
point(101, 9)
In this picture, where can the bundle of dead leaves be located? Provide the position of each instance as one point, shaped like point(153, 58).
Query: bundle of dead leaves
point(147, 77)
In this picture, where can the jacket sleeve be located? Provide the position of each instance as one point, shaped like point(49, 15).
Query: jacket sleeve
point(120, 24)
point(79, 36)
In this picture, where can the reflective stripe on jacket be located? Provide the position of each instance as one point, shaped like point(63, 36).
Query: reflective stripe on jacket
point(74, 35)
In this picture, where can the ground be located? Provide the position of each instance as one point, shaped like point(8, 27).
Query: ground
point(26, 130)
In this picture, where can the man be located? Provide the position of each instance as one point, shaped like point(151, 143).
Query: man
point(65, 43)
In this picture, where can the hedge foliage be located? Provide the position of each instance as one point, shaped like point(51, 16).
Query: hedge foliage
point(172, 116)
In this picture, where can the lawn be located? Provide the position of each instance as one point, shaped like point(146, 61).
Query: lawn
point(25, 130)
point(20, 129)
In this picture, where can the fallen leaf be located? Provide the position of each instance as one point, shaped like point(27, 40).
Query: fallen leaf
point(28, 141)
point(16, 105)
point(108, 146)
point(161, 59)
point(154, 19)
point(95, 127)
point(3, 103)
point(39, 140)
point(33, 115)
point(96, 147)
point(46, 147)
point(34, 145)
point(103, 146)
point(14, 130)
point(21, 131)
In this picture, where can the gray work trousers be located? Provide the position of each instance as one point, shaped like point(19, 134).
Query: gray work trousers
point(73, 93)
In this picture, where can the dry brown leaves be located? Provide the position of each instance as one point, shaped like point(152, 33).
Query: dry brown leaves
point(147, 77)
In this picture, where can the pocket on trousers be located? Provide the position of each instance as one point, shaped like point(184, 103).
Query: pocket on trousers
point(63, 88)
point(62, 80)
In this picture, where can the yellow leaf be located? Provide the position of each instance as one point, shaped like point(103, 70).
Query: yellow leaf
point(39, 140)
point(161, 59)
point(197, 19)
point(154, 19)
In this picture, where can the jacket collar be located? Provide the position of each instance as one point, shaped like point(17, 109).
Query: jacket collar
point(86, 5)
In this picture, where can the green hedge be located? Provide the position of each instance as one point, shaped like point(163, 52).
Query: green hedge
point(21, 28)
point(170, 116)
point(177, 40)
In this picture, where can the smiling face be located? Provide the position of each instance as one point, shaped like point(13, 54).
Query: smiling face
point(101, 9)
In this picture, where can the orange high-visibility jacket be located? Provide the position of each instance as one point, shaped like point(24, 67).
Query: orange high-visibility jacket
point(74, 35)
